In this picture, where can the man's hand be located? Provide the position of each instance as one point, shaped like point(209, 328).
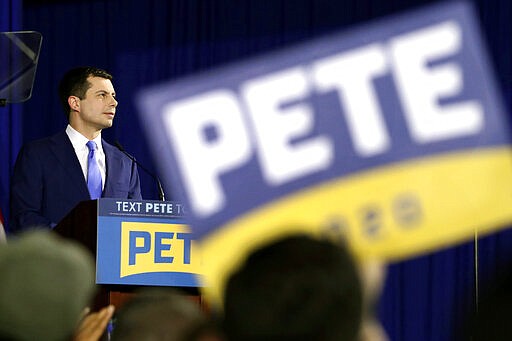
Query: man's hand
point(93, 325)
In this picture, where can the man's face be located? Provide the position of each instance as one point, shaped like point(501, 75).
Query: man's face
point(98, 107)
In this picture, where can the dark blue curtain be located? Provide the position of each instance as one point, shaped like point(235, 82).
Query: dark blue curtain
point(10, 115)
point(143, 42)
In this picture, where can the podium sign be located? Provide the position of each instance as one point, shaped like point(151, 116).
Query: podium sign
point(141, 242)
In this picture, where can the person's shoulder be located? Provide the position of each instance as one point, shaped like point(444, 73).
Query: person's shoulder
point(114, 151)
point(47, 140)
point(44, 142)
point(108, 148)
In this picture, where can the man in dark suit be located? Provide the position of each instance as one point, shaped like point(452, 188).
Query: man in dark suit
point(51, 175)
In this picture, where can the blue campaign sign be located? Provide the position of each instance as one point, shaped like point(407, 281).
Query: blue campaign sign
point(392, 134)
point(142, 242)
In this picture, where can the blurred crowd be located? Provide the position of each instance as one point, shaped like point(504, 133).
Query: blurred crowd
point(298, 287)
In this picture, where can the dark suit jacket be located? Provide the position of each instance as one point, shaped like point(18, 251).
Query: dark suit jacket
point(48, 181)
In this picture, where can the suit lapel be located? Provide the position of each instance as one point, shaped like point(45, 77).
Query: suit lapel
point(64, 152)
point(113, 162)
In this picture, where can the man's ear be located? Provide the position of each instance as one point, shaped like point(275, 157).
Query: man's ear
point(74, 103)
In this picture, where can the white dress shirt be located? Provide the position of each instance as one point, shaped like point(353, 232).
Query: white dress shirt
point(79, 143)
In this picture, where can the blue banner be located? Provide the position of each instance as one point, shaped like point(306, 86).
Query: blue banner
point(142, 242)
point(392, 135)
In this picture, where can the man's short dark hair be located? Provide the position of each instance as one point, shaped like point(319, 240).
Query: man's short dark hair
point(159, 314)
point(74, 83)
point(297, 288)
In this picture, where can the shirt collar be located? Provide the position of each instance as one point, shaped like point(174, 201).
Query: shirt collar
point(79, 141)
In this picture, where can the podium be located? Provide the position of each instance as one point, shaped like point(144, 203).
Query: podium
point(135, 243)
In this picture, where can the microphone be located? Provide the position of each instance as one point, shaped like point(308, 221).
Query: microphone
point(161, 194)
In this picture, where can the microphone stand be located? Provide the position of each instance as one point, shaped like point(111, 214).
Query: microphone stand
point(161, 194)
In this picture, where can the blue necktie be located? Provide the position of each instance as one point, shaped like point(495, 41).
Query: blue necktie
point(93, 172)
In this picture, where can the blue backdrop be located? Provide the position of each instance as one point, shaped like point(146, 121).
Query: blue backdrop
point(143, 42)
point(10, 116)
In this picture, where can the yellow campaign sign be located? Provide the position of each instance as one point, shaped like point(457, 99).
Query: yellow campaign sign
point(157, 247)
point(390, 212)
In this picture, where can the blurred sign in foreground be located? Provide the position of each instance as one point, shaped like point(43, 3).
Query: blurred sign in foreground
point(392, 134)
